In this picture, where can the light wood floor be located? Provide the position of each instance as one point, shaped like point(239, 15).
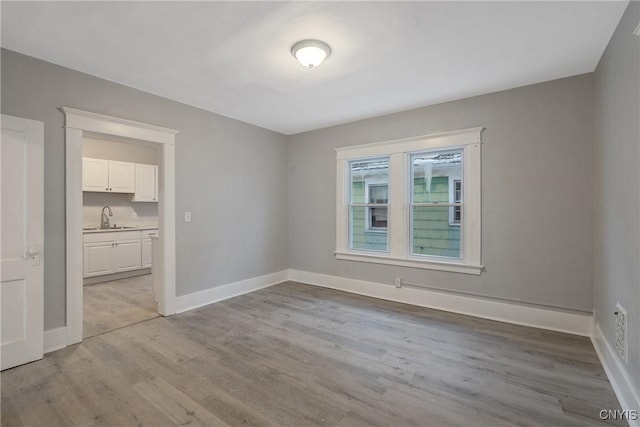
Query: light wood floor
point(297, 355)
point(112, 305)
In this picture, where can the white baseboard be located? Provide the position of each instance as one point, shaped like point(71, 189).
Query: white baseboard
point(55, 339)
point(519, 314)
point(628, 395)
point(230, 290)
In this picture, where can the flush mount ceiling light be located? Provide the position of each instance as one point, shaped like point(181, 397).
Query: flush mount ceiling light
point(311, 53)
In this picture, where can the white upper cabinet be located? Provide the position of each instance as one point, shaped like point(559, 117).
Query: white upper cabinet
point(108, 176)
point(146, 183)
point(122, 177)
point(95, 174)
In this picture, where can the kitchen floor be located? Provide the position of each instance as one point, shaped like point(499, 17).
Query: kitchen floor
point(112, 305)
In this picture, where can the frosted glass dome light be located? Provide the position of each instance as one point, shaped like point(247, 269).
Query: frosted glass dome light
point(311, 53)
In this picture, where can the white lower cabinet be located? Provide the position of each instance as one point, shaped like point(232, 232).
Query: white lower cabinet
point(116, 251)
point(98, 259)
point(127, 255)
point(146, 247)
point(146, 253)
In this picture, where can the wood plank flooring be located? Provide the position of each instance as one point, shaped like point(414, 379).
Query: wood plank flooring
point(112, 305)
point(297, 355)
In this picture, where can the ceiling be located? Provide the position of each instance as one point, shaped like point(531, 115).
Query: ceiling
point(233, 58)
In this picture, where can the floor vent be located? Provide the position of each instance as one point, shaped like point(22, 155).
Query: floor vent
point(622, 332)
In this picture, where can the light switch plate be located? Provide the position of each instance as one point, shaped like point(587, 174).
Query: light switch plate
point(187, 217)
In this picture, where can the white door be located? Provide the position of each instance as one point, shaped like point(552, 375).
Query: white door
point(22, 236)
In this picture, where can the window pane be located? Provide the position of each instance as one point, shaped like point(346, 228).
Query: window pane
point(378, 193)
point(369, 176)
point(432, 174)
point(378, 218)
point(361, 238)
point(369, 186)
point(433, 234)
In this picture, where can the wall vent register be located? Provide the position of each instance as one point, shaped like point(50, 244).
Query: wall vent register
point(621, 332)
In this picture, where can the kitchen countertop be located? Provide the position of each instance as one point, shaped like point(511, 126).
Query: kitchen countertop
point(86, 230)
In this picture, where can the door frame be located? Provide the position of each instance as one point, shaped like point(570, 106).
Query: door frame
point(77, 122)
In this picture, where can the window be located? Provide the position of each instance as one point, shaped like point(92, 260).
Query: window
point(412, 202)
point(368, 204)
point(434, 230)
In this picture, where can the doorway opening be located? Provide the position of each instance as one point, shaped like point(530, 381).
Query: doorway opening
point(119, 218)
point(118, 248)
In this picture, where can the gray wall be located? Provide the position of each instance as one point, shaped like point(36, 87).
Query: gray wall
point(537, 193)
point(232, 176)
point(617, 185)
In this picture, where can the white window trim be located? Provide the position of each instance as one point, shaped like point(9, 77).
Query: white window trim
point(399, 250)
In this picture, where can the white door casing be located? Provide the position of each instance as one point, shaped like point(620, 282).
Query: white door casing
point(77, 123)
point(22, 237)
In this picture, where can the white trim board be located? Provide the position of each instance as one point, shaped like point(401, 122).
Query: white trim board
point(55, 339)
point(628, 395)
point(519, 314)
point(209, 296)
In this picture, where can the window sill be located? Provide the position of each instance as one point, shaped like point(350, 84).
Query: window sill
point(454, 267)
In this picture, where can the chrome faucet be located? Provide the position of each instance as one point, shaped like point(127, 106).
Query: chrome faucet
point(104, 220)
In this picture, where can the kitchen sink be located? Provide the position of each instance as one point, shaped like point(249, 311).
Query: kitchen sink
point(120, 227)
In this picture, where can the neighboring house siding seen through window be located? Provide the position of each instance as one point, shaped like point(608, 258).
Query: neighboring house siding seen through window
point(412, 202)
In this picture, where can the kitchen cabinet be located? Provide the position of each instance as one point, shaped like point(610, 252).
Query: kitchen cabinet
point(109, 252)
point(108, 176)
point(98, 258)
point(146, 183)
point(127, 255)
point(146, 252)
point(95, 174)
point(146, 247)
point(112, 252)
